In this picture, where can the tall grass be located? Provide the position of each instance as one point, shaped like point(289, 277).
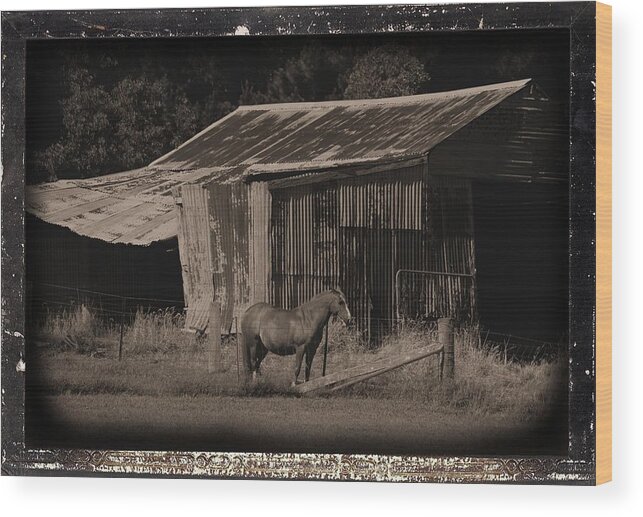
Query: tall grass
point(77, 322)
point(162, 359)
point(483, 383)
point(81, 330)
point(158, 331)
point(77, 328)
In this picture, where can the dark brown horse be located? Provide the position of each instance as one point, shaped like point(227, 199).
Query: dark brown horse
point(282, 332)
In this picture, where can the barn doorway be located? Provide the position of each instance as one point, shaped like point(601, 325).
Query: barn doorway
point(522, 263)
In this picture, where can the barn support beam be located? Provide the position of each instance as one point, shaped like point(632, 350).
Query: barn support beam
point(260, 260)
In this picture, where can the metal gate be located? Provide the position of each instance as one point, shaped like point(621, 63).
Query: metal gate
point(422, 295)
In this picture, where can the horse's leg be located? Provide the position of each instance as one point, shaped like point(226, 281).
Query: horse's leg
point(311, 350)
point(262, 352)
point(299, 355)
point(246, 345)
point(310, 354)
point(252, 358)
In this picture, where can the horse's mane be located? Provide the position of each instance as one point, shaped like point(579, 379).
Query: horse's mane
point(335, 291)
point(338, 291)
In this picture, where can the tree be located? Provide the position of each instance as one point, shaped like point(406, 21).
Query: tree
point(387, 71)
point(125, 127)
point(315, 74)
point(318, 73)
point(86, 143)
point(148, 118)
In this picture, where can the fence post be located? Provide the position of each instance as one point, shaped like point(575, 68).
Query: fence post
point(215, 359)
point(445, 335)
point(325, 352)
point(441, 365)
point(120, 339)
point(239, 341)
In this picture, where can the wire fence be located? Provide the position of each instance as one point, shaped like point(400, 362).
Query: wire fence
point(114, 310)
point(520, 348)
point(45, 294)
point(120, 311)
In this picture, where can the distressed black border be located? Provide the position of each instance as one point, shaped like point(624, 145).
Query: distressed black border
point(578, 17)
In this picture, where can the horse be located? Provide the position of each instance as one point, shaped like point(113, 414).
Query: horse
point(286, 332)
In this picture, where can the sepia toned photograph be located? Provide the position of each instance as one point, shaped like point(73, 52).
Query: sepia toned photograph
point(320, 245)
point(257, 246)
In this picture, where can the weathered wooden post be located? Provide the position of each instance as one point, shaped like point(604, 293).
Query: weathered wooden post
point(445, 335)
point(238, 340)
point(215, 358)
point(441, 365)
point(325, 351)
point(122, 325)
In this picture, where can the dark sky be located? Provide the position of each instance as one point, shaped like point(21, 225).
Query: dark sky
point(453, 60)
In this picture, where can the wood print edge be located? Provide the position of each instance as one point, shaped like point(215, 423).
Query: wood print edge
point(603, 243)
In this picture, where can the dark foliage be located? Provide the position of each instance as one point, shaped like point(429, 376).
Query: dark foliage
point(113, 121)
point(389, 71)
point(97, 107)
point(316, 74)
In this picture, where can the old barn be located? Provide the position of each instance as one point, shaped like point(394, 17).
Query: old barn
point(278, 202)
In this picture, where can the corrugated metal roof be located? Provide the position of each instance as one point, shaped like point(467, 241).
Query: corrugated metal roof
point(136, 207)
point(133, 207)
point(296, 136)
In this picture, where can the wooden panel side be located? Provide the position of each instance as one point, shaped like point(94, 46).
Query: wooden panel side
point(603, 243)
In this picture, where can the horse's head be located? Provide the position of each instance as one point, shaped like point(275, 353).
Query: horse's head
point(339, 307)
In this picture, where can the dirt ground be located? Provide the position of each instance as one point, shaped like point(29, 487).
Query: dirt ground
point(275, 424)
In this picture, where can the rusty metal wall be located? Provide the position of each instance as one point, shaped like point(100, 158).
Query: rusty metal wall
point(304, 243)
point(391, 200)
point(451, 250)
point(229, 223)
point(357, 233)
point(353, 233)
point(380, 231)
point(194, 236)
point(525, 138)
point(214, 245)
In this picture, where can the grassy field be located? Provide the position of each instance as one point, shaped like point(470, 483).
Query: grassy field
point(162, 395)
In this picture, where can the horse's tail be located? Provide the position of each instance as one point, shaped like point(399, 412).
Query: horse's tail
point(247, 340)
point(245, 354)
